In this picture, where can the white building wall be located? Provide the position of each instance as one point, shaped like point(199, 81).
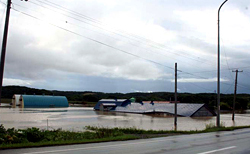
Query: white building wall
point(15, 100)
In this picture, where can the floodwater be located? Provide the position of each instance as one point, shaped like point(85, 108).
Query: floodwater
point(75, 118)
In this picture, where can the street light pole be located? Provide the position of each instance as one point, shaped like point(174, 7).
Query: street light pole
point(218, 73)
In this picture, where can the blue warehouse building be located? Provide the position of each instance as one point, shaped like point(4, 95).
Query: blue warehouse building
point(42, 101)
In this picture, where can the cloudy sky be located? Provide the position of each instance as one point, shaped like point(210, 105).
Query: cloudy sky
point(126, 45)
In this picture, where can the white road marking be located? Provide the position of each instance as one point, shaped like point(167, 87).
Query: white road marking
point(86, 148)
point(218, 150)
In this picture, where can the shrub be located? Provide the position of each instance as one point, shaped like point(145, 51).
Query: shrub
point(213, 126)
point(33, 134)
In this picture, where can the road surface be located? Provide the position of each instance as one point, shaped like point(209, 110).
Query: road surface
point(237, 141)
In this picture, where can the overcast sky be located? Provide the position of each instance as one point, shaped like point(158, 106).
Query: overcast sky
point(127, 45)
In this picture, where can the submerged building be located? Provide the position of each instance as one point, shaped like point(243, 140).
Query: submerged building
point(183, 109)
point(41, 101)
point(15, 100)
point(111, 104)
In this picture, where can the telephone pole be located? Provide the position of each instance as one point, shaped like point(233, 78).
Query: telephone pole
point(235, 89)
point(4, 44)
point(175, 100)
point(5, 35)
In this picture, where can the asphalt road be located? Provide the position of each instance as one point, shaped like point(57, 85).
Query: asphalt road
point(217, 143)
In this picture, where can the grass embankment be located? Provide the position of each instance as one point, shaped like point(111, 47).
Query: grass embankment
point(34, 137)
point(6, 100)
point(155, 133)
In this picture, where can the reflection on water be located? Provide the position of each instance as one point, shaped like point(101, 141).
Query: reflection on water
point(75, 118)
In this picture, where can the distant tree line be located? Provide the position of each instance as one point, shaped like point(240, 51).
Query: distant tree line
point(242, 101)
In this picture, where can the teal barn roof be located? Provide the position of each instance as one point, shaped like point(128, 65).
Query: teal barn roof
point(44, 101)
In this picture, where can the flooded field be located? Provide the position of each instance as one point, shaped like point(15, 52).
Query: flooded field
point(75, 118)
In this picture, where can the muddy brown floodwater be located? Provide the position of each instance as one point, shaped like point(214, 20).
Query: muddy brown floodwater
point(75, 118)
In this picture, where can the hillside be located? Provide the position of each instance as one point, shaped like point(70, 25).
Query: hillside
point(242, 102)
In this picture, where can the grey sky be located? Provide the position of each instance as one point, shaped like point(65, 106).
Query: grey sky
point(126, 45)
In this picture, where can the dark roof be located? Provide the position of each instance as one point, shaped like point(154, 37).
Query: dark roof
point(183, 109)
point(118, 102)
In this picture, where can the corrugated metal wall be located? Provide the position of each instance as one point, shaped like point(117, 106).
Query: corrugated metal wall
point(44, 101)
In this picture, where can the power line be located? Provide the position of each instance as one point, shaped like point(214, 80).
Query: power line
point(3, 13)
point(247, 67)
point(96, 41)
point(227, 62)
point(135, 35)
point(145, 49)
point(96, 21)
point(69, 11)
point(244, 87)
point(196, 85)
point(229, 87)
point(245, 73)
point(193, 75)
point(111, 46)
point(157, 53)
point(3, 3)
point(105, 44)
point(221, 70)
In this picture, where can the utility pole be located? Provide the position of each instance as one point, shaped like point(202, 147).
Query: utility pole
point(175, 100)
point(5, 35)
point(218, 73)
point(235, 89)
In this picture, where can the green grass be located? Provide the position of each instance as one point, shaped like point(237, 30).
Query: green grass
point(67, 142)
point(141, 131)
point(34, 137)
point(215, 129)
point(6, 100)
point(16, 138)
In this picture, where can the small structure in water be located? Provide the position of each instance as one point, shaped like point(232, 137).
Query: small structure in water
point(183, 109)
point(41, 101)
point(111, 104)
point(15, 100)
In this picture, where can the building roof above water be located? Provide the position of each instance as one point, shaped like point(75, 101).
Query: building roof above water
point(118, 102)
point(163, 102)
point(183, 109)
point(113, 100)
point(44, 101)
point(109, 104)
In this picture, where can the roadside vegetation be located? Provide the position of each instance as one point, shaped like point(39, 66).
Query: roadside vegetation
point(6, 100)
point(34, 137)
